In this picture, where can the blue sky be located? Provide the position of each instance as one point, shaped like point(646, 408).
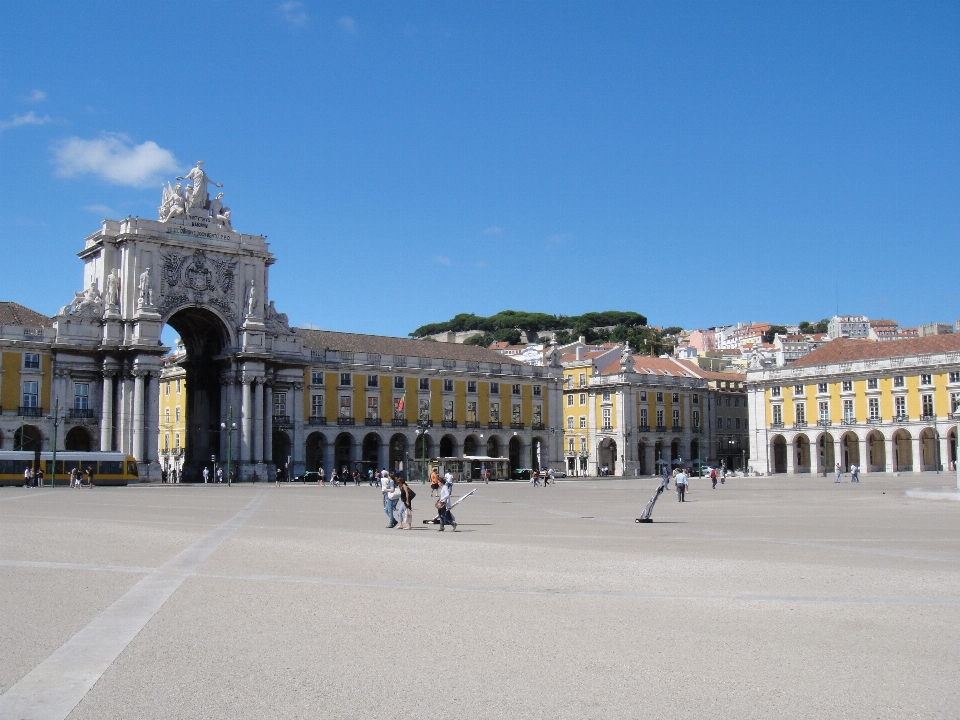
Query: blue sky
point(701, 163)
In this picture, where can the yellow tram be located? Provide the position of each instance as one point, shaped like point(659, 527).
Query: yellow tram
point(109, 468)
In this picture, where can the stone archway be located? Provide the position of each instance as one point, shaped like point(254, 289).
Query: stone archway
point(28, 438)
point(281, 449)
point(902, 451)
point(315, 449)
point(493, 446)
point(448, 446)
point(801, 454)
point(642, 458)
point(470, 445)
point(370, 456)
point(850, 450)
point(78, 440)
point(398, 453)
point(204, 335)
point(607, 457)
point(343, 452)
point(826, 460)
point(929, 450)
point(514, 453)
point(778, 446)
point(876, 452)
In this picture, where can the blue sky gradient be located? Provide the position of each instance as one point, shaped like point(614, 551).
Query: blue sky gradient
point(701, 163)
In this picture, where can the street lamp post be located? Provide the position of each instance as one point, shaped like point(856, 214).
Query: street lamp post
point(423, 426)
point(229, 426)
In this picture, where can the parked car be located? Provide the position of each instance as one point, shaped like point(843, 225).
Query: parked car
point(522, 474)
point(308, 476)
point(557, 473)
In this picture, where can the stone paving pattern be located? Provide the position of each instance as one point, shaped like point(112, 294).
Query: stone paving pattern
point(767, 597)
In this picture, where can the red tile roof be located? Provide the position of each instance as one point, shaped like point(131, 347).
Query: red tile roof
point(848, 350)
point(12, 313)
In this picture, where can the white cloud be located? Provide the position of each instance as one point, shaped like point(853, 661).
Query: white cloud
point(29, 118)
point(115, 159)
point(103, 210)
point(441, 259)
point(35, 96)
point(347, 24)
point(493, 230)
point(294, 13)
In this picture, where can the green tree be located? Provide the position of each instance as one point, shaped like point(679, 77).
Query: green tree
point(774, 330)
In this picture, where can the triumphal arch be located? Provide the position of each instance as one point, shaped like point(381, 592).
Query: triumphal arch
point(189, 269)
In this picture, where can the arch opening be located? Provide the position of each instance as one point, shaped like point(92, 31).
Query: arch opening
point(78, 440)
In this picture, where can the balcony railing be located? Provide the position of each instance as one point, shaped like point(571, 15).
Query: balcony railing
point(849, 421)
point(516, 426)
point(874, 421)
point(345, 420)
point(799, 425)
point(677, 428)
point(928, 418)
point(281, 420)
point(776, 426)
point(537, 426)
point(25, 411)
point(398, 422)
point(901, 418)
point(81, 413)
point(494, 425)
point(449, 423)
point(471, 424)
point(643, 428)
point(661, 428)
point(317, 420)
point(824, 423)
point(373, 422)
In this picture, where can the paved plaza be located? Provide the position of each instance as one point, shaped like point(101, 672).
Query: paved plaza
point(768, 597)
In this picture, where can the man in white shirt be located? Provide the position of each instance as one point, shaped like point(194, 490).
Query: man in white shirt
point(681, 481)
point(446, 491)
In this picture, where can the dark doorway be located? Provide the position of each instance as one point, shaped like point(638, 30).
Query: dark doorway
point(371, 452)
point(470, 445)
point(493, 446)
point(398, 452)
point(316, 445)
point(344, 452)
point(281, 449)
point(514, 449)
point(77, 440)
point(448, 446)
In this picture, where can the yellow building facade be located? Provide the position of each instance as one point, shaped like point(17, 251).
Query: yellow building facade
point(882, 406)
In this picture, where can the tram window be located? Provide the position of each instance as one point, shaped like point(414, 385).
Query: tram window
point(111, 467)
point(132, 469)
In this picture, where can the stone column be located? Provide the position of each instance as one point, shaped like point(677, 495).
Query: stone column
point(151, 448)
point(943, 446)
point(268, 424)
point(791, 456)
point(246, 412)
point(258, 422)
point(138, 415)
point(891, 454)
point(837, 458)
point(106, 411)
point(298, 439)
point(125, 413)
point(864, 447)
point(916, 445)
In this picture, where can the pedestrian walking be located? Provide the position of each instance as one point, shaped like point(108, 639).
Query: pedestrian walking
point(219, 475)
point(681, 480)
point(320, 477)
point(535, 478)
point(854, 473)
point(434, 483)
point(486, 476)
point(90, 474)
point(444, 503)
point(406, 503)
point(723, 474)
point(713, 477)
point(387, 486)
point(839, 474)
point(40, 477)
point(279, 475)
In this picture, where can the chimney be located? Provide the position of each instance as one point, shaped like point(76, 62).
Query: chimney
point(580, 350)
